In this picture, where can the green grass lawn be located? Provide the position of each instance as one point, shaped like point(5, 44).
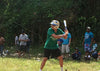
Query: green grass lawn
point(33, 64)
point(33, 61)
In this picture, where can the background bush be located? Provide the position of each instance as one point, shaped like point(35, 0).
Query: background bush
point(34, 17)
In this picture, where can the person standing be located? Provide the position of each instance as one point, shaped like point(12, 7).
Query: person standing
point(28, 45)
point(66, 45)
point(88, 40)
point(16, 42)
point(2, 41)
point(50, 48)
point(23, 38)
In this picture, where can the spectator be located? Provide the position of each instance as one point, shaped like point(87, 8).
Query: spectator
point(23, 38)
point(16, 42)
point(94, 50)
point(76, 55)
point(28, 45)
point(2, 41)
point(66, 46)
point(88, 40)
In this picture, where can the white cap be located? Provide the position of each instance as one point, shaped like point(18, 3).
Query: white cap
point(88, 27)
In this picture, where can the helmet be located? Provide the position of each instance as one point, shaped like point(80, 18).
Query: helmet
point(55, 23)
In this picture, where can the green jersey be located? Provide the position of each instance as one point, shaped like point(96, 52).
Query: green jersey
point(51, 42)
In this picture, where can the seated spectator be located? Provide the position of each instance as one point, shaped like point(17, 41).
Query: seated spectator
point(76, 55)
point(95, 55)
point(94, 51)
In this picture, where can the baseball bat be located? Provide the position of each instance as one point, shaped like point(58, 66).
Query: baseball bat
point(65, 24)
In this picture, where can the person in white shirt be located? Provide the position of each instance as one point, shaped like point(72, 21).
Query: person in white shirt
point(23, 38)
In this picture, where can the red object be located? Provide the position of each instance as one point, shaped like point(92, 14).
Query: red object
point(98, 53)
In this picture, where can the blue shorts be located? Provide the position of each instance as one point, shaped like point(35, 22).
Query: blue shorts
point(87, 47)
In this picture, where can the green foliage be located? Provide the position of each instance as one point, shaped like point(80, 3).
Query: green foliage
point(34, 17)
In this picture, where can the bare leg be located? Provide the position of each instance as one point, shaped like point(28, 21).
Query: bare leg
point(60, 61)
point(43, 62)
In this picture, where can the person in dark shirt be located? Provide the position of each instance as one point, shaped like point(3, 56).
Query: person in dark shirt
point(76, 55)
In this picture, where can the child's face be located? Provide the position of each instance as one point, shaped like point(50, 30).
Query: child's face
point(54, 27)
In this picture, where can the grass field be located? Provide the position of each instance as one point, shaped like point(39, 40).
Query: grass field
point(33, 64)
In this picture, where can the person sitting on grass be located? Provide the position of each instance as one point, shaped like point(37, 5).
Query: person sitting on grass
point(94, 51)
point(76, 55)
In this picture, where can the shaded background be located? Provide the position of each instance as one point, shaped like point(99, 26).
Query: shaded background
point(34, 17)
